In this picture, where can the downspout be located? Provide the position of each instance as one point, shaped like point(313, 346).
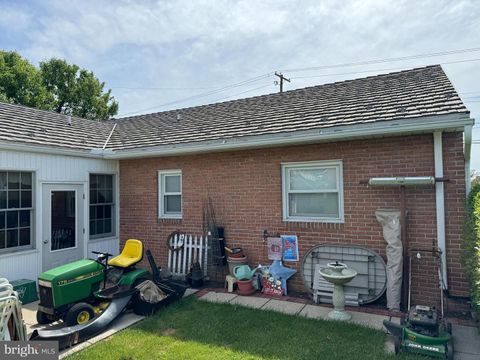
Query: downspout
point(467, 148)
point(440, 202)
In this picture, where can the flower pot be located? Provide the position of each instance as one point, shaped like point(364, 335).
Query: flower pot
point(245, 287)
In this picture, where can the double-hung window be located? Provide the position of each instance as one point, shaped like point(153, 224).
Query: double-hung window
point(313, 191)
point(102, 206)
point(16, 210)
point(170, 194)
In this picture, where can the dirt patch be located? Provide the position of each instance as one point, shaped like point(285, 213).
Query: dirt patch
point(169, 332)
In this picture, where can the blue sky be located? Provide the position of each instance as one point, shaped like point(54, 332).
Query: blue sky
point(153, 53)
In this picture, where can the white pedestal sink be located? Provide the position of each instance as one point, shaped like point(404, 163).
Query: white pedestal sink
point(338, 274)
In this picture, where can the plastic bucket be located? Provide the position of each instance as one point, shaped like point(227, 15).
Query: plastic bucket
point(232, 262)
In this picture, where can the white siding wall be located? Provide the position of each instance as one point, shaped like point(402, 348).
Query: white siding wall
point(53, 168)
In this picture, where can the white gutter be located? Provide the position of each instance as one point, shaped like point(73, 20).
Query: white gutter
point(467, 149)
point(440, 202)
point(346, 132)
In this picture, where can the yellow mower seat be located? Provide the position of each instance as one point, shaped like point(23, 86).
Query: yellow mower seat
point(132, 253)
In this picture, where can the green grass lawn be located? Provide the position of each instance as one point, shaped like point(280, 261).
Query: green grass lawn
point(193, 329)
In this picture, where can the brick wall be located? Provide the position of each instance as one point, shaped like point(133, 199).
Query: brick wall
point(245, 187)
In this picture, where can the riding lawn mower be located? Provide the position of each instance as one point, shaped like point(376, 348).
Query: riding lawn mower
point(79, 291)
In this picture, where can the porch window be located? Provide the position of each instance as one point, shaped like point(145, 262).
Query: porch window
point(102, 206)
point(170, 194)
point(313, 191)
point(16, 210)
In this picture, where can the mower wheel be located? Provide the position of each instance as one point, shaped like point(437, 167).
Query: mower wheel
point(43, 318)
point(449, 328)
point(450, 350)
point(398, 345)
point(78, 314)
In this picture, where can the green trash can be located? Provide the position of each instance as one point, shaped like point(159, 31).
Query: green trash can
point(26, 289)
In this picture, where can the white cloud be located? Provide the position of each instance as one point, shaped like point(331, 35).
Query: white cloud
point(14, 19)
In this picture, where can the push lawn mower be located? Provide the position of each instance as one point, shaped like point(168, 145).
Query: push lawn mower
point(423, 331)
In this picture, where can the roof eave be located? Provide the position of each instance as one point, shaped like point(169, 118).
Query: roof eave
point(449, 122)
point(50, 150)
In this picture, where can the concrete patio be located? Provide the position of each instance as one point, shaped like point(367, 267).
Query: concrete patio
point(125, 320)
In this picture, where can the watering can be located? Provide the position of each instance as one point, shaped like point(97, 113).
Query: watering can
point(243, 272)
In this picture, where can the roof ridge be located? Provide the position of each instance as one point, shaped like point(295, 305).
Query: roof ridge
point(51, 112)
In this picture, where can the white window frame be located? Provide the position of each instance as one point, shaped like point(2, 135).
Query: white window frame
point(32, 246)
point(115, 201)
point(287, 167)
point(162, 193)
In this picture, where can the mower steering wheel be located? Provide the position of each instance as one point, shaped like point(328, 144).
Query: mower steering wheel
point(102, 256)
point(101, 253)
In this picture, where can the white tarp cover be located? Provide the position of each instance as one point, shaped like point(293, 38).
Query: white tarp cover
point(150, 292)
point(390, 221)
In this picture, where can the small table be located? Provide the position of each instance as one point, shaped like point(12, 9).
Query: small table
point(229, 281)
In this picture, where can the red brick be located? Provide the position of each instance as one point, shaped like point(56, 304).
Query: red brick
point(245, 187)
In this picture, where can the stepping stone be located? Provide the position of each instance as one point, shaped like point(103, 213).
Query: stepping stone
point(249, 301)
point(315, 312)
point(370, 320)
point(218, 297)
point(466, 341)
point(285, 307)
point(190, 291)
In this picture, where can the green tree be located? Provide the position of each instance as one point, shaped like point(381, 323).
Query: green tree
point(21, 83)
point(77, 91)
point(56, 85)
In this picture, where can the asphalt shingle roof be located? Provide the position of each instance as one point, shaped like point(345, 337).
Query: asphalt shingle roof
point(401, 95)
point(24, 125)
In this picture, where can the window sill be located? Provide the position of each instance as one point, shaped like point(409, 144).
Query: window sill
point(99, 239)
point(169, 220)
point(311, 220)
point(310, 224)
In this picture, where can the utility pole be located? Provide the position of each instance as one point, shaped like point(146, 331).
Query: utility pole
point(281, 77)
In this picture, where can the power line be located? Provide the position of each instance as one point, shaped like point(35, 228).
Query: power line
point(470, 92)
point(193, 97)
point(368, 62)
point(163, 88)
point(378, 61)
point(377, 70)
point(243, 92)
